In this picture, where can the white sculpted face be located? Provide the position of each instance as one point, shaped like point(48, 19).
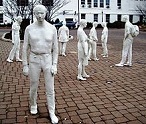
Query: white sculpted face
point(83, 23)
point(40, 13)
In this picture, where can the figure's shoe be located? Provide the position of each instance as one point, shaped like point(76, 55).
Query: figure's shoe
point(63, 54)
point(86, 75)
point(89, 59)
point(119, 65)
point(54, 118)
point(105, 56)
point(18, 60)
point(9, 60)
point(81, 78)
point(95, 59)
point(33, 109)
point(127, 64)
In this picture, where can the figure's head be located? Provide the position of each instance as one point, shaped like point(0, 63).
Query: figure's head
point(19, 19)
point(40, 12)
point(103, 24)
point(95, 24)
point(64, 22)
point(125, 18)
point(83, 23)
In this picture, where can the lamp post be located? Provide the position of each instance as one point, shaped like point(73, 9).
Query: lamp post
point(32, 12)
point(102, 15)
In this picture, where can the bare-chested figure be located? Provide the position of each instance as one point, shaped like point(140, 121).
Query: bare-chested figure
point(41, 39)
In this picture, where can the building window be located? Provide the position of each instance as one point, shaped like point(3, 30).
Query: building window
point(107, 17)
point(89, 3)
point(107, 3)
point(83, 16)
point(47, 2)
point(119, 17)
point(131, 18)
point(119, 4)
point(141, 18)
point(1, 18)
point(22, 2)
point(96, 17)
point(95, 3)
point(101, 3)
point(1, 2)
point(82, 2)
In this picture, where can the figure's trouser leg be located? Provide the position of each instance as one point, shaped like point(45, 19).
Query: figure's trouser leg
point(49, 82)
point(17, 50)
point(80, 68)
point(60, 47)
point(34, 74)
point(13, 51)
point(126, 46)
point(94, 49)
point(130, 54)
point(90, 50)
point(63, 47)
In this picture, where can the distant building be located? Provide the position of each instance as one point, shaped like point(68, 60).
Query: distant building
point(91, 10)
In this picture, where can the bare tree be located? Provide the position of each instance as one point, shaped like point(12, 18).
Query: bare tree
point(12, 9)
point(141, 9)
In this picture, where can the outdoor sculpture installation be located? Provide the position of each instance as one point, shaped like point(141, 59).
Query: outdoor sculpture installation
point(63, 34)
point(93, 42)
point(41, 38)
point(127, 43)
point(82, 51)
point(15, 41)
point(104, 38)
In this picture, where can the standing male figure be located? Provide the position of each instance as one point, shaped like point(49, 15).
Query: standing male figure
point(93, 42)
point(82, 50)
point(104, 38)
point(15, 40)
point(127, 44)
point(41, 38)
point(63, 34)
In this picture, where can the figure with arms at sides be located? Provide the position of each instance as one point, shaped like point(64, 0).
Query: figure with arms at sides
point(104, 38)
point(15, 41)
point(63, 34)
point(82, 51)
point(41, 39)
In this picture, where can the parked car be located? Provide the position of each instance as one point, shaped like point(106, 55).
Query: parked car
point(69, 24)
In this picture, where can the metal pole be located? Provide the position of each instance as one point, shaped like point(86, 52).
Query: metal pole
point(32, 12)
point(78, 11)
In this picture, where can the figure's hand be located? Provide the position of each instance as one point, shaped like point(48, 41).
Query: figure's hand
point(54, 69)
point(25, 70)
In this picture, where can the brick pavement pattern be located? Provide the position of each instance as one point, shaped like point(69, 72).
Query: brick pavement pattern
point(112, 95)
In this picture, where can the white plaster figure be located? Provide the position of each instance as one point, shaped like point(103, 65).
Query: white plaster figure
point(41, 39)
point(127, 44)
point(104, 38)
point(63, 34)
point(93, 42)
point(82, 50)
point(15, 40)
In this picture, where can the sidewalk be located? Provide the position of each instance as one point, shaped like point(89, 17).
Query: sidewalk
point(112, 95)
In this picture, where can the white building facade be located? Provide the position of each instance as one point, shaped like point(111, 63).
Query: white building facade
point(101, 10)
point(94, 10)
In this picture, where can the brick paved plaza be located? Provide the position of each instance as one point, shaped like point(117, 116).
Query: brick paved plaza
point(112, 95)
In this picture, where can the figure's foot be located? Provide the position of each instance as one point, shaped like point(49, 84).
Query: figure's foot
point(128, 64)
point(81, 78)
point(89, 59)
point(54, 118)
point(9, 60)
point(63, 54)
point(86, 75)
point(105, 56)
point(119, 65)
point(95, 59)
point(18, 60)
point(33, 109)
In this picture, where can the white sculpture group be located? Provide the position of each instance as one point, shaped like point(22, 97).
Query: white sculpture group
point(41, 39)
